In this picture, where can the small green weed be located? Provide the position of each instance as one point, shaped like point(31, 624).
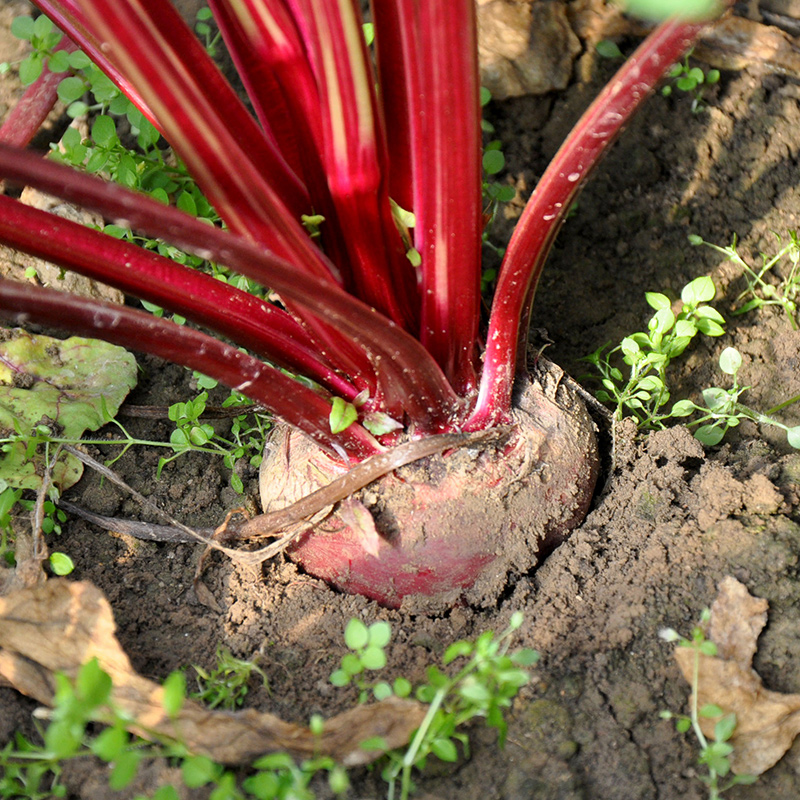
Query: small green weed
point(691, 80)
point(226, 686)
point(608, 48)
point(483, 687)
point(645, 394)
point(205, 28)
point(81, 76)
point(714, 756)
point(14, 504)
point(245, 440)
point(723, 410)
point(9, 497)
point(648, 354)
point(759, 291)
point(191, 434)
point(31, 771)
point(367, 644)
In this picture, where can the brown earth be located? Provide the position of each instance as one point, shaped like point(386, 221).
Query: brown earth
point(669, 521)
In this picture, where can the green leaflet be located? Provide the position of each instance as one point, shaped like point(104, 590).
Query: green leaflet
point(71, 386)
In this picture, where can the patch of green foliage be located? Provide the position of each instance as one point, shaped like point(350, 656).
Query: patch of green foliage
point(647, 355)
point(484, 684)
point(723, 411)
point(13, 504)
point(488, 679)
point(191, 434)
point(691, 80)
point(644, 392)
point(226, 686)
point(245, 440)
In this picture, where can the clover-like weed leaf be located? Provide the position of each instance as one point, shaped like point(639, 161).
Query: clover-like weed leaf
point(710, 435)
point(356, 634)
point(657, 300)
point(379, 634)
point(730, 361)
point(700, 290)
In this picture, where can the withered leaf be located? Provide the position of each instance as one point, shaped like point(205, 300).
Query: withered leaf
point(766, 721)
point(60, 625)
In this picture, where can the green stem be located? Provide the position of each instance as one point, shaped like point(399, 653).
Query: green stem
point(712, 773)
point(411, 753)
point(783, 405)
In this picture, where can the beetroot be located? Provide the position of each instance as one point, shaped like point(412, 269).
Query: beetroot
point(452, 525)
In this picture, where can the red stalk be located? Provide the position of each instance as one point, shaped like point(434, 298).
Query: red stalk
point(257, 36)
point(236, 166)
point(281, 395)
point(397, 48)
point(250, 322)
point(271, 59)
point(354, 151)
point(409, 378)
point(446, 151)
point(547, 207)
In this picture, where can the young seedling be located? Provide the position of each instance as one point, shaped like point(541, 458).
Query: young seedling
point(32, 771)
point(648, 354)
point(483, 687)
point(193, 434)
point(645, 393)
point(226, 686)
point(387, 349)
point(607, 48)
point(691, 80)
point(714, 756)
point(723, 410)
point(367, 644)
point(759, 291)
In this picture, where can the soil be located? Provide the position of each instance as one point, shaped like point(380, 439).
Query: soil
point(669, 520)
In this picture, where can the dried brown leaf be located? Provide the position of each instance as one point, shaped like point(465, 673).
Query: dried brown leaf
point(60, 625)
point(766, 722)
point(737, 619)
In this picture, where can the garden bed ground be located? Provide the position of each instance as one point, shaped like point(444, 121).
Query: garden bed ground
point(669, 521)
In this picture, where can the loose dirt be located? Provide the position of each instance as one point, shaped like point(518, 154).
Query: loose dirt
point(668, 522)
